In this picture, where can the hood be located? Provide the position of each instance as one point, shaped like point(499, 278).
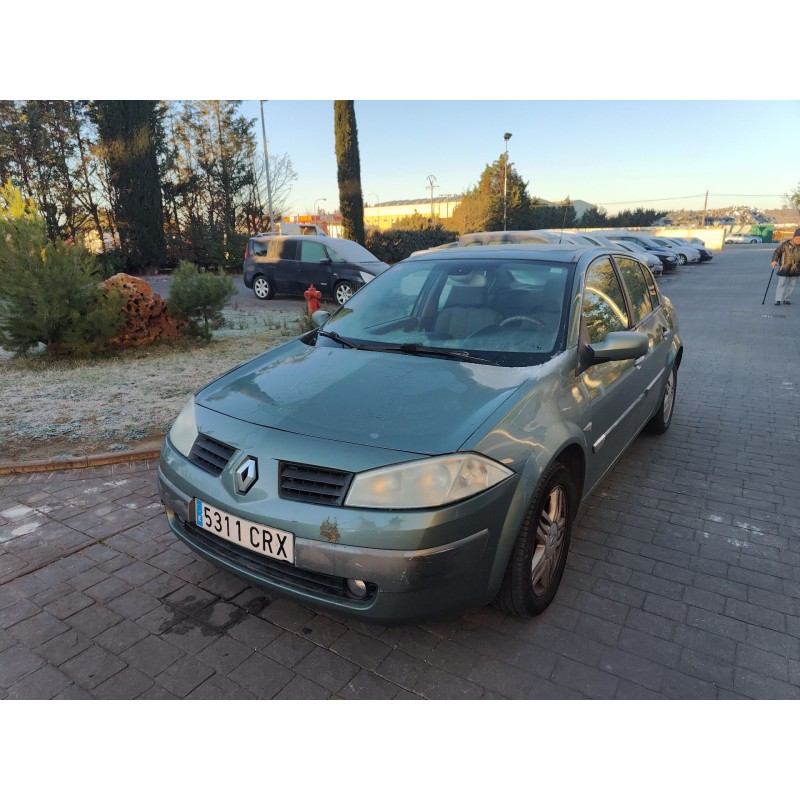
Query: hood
point(373, 267)
point(389, 400)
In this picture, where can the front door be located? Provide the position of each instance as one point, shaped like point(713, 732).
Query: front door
point(314, 267)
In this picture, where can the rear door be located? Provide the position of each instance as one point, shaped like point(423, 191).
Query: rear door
point(283, 265)
point(615, 389)
point(647, 318)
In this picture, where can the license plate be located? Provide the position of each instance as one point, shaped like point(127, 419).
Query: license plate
point(269, 542)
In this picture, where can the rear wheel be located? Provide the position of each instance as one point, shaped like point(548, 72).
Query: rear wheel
point(540, 553)
point(343, 291)
point(262, 288)
point(661, 420)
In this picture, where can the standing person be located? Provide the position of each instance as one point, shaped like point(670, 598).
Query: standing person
point(788, 256)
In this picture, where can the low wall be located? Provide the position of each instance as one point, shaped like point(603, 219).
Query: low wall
point(714, 238)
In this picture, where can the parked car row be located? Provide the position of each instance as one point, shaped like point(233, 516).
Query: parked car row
point(288, 265)
point(427, 447)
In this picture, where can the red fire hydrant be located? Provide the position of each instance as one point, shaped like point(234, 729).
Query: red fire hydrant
point(312, 296)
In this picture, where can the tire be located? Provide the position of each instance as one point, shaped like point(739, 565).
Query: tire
point(343, 291)
point(681, 259)
point(540, 553)
point(262, 288)
point(660, 421)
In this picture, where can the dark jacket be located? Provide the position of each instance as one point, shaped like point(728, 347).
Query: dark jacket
point(788, 257)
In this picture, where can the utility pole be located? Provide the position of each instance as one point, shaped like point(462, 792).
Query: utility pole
point(266, 167)
point(506, 136)
point(432, 184)
point(705, 206)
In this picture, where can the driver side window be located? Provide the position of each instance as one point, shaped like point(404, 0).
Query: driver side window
point(604, 309)
point(312, 252)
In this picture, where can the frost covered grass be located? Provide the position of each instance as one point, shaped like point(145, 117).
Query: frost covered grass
point(71, 407)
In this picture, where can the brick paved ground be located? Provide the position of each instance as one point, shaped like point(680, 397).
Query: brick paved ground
point(683, 580)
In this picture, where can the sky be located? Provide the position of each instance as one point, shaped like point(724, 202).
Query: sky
point(619, 154)
point(619, 104)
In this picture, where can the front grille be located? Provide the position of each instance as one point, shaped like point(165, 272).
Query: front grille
point(210, 455)
point(278, 571)
point(313, 484)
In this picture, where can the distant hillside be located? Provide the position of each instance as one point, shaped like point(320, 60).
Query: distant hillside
point(733, 215)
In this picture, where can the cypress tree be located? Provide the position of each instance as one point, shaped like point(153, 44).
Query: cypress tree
point(129, 131)
point(351, 202)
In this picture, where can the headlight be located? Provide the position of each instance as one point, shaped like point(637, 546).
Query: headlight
point(184, 429)
point(365, 276)
point(426, 484)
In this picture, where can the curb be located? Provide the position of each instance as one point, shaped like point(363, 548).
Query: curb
point(100, 460)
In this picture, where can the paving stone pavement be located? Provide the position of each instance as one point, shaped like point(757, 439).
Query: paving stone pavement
point(683, 580)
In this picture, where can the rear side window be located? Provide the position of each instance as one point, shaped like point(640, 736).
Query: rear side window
point(603, 301)
point(636, 284)
point(283, 248)
point(258, 247)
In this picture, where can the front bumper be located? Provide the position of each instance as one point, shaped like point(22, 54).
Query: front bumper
point(446, 567)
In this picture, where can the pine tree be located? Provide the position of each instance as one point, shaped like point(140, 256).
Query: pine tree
point(481, 208)
point(351, 201)
point(130, 131)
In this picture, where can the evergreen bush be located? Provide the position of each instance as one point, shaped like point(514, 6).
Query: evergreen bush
point(198, 298)
point(49, 291)
point(395, 244)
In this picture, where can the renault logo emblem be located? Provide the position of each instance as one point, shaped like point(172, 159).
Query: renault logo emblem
point(246, 475)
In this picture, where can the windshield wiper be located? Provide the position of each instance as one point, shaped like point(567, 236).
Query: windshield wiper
point(421, 350)
point(409, 348)
point(340, 339)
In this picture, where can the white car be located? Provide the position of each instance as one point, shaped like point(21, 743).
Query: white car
point(742, 238)
point(685, 253)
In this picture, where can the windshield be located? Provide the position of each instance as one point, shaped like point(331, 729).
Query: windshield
point(350, 251)
point(509, 312)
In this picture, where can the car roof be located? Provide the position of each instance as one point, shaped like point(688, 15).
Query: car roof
point(304, 236)
point(566, 253)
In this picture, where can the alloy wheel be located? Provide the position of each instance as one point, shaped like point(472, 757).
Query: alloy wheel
point(550, 537)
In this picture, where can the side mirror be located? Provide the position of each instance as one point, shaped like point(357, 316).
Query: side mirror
point(618, 346)
point(324, 261)
point(320, 317)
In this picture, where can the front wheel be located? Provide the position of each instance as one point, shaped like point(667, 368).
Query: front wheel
point(262, 288)
point(661, 420)
point(681, 259)
point(540, 553)
point(343, 291)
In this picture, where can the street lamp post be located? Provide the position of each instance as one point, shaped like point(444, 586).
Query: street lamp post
point(315, 207)
point(266, 168)
point(506, 136)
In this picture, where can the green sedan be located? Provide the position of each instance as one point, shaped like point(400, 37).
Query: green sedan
point(426, 449)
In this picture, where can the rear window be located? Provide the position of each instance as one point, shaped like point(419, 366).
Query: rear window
point(283, 248)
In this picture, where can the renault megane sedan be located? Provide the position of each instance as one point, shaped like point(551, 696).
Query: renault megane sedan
point(426, 448)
